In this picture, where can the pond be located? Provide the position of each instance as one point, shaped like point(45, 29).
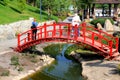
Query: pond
point(61, 69)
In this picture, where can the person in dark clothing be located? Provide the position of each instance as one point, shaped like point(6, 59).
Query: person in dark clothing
point(34, 29)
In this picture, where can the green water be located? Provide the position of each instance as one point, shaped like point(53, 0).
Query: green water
point(61, 69)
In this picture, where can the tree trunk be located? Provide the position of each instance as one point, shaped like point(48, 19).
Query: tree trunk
point(89, 10)
point(34, 3)
point(109, 9)
point(93, 9)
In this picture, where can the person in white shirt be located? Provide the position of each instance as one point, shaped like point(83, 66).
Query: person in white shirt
point(76, 21)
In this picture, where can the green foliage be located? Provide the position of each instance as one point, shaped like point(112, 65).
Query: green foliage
point(21, 5)
point(15, 61)
point(71, 48)
point(83, 4)
point(104, 42)
point(96, 38)
point(3, 2)
point(56, 7)
point(12, 12)
point(119, 15)
point(20, 68)
point(53, 49)
point(118, 68)
point(5, 73)
point(33, 55)
point(34, 60)
point(101, 21)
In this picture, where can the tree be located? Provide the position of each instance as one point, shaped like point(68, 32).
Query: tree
point(56, 7)
point(84, 5)
point(32, 2)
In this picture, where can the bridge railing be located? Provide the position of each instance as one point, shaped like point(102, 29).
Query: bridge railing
point(64, 31)
point(105, 39)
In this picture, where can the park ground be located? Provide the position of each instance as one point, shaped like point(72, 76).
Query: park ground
point(93, 69)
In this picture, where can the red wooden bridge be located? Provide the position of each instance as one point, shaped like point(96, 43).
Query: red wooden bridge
point(103, 42)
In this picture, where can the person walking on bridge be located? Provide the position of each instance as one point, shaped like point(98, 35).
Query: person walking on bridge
point(76, 21)
point(34, 29)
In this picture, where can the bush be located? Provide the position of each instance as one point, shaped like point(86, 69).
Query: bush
point(118, 68)
point(119, 15)
point(101, 21)
point(34, 60)
point(5, 73)
point(15, 61)
point(3, 2)
point(20, 69)
point(53, 49)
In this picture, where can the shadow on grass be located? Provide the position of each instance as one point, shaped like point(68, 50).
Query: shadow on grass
point(15, 10)
point(38, 11)
point(1, 2)
point(47, 17)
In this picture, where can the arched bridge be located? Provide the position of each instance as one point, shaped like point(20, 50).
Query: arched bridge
point(106, 43)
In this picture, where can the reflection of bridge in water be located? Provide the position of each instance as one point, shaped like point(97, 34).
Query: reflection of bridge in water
point(62, 32)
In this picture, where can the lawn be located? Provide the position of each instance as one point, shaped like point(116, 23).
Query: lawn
point(10, 13)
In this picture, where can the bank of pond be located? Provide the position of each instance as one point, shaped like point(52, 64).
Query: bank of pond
point(65, 67)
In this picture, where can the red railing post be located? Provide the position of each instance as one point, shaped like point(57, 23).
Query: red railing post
point(41, 31)
point(18, 40)
point(45, 32)
point(60, 30)
point(68, 31)
point(28, 36)
point(54, 29)
point(117, 42)
point(92, 38)
point(84, 30)
point(110, 47)
point(75, 32)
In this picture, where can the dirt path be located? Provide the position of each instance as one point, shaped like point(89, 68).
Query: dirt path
point(7, 45)
point(100, 70)
point(28, 62)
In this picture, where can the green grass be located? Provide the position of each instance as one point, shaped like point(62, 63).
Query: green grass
point(11, 13)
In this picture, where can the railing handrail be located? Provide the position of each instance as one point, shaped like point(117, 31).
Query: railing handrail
point(58, 28)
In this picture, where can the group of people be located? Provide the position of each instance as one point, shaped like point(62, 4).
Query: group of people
point(75, 22)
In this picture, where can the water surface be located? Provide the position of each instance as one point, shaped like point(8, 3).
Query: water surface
point(61, 69)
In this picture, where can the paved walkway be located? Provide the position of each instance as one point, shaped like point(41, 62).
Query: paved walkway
point(7, 45)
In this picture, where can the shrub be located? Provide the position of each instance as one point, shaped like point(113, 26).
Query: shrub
point(34, 60)
point(20, 69)
point(3, 2)
point(5, 73)
point(118, 68)
point(53, 49)
point(21, 5)
point(16, 33)
point(15, 61)
point(119, 15)
point(33, 55)
point(101, 21)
